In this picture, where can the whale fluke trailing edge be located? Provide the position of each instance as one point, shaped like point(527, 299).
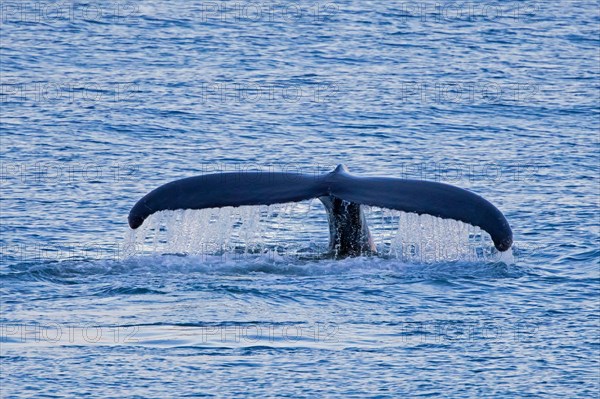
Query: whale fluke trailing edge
point(342, 194)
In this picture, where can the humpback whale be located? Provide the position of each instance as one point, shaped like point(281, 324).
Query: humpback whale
point(342, 194)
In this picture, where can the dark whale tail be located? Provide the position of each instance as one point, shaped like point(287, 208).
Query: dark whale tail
point(341, 193)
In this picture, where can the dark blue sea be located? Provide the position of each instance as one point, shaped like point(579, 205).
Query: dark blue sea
point(102, 102)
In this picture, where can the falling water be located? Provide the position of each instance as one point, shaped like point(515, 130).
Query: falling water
point(301, 228)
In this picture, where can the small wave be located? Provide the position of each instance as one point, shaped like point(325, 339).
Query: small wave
point(76, 272)
point(115, 291)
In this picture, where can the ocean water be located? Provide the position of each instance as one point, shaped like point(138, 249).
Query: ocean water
point(103, 102)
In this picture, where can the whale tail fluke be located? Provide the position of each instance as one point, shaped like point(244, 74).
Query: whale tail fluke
point(347, 223)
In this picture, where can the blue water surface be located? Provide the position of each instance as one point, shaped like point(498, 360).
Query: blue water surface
point(103, 102)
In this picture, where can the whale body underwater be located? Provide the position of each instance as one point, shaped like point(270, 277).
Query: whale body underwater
point(341, 193)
